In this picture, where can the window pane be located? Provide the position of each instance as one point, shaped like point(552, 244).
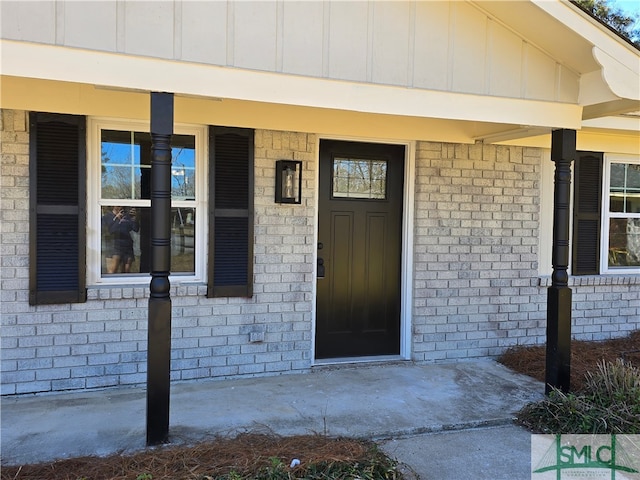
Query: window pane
point(183, 240)
point(183, 167)
point(126, 163)
point(125, 245)
point(624, 242)
point(123, 251)
point(359, 178)
point(624, 194)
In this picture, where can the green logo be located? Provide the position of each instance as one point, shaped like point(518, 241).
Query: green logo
point(586, 456)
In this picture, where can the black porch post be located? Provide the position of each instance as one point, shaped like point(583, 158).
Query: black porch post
point(558, 367)
point(159, 333)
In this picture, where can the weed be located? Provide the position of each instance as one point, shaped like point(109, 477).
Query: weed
point(608, 403)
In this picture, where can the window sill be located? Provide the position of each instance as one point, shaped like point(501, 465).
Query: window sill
point(594, 280)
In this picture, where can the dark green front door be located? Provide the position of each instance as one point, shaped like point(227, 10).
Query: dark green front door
point(359, 249)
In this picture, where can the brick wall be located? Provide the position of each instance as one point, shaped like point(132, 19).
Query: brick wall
point(102, 343)
point(476, 287)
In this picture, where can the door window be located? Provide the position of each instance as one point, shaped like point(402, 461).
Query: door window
point(359, 178)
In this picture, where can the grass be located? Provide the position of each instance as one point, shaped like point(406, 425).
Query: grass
point(247, 456)
point(605, 388)
point(609, 402)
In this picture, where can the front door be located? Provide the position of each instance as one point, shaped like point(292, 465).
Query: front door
point(359, 249)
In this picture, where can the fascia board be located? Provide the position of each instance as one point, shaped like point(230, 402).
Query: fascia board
point(113, 70)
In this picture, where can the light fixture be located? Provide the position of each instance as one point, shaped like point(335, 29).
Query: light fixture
point(288, 181)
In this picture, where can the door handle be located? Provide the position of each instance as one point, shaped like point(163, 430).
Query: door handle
point(320, 268)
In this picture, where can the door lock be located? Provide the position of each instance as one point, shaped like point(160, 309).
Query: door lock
point(320, 268)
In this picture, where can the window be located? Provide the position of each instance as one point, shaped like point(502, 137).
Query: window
point(359, 178)
point(120, 174)
point(606, 214)
point(90, 200)
point(621, 215)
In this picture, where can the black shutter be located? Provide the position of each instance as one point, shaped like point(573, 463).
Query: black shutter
point(230, 212)
point(587, 204)
point(57, 207)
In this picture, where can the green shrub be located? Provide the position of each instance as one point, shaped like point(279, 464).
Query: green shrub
point(608, 403)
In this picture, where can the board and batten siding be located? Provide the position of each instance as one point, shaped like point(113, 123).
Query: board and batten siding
point(388, 43)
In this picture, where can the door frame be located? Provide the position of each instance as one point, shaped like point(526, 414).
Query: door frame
point(406, 282)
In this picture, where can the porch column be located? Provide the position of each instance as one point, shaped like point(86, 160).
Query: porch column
point(558, 361)
point(159, 323)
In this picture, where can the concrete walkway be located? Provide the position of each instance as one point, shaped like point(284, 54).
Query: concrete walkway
point(435, 418)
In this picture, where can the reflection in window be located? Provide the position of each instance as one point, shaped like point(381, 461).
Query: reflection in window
point(624, 215)
point(625, 188)
point(359, 178)
point(126, 165)
point(125, 240)
point(125, 193)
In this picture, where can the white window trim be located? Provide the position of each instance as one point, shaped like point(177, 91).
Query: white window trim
point(607, 215)
point(94, 202)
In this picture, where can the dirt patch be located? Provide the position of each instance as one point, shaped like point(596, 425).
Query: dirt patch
point(530, 360)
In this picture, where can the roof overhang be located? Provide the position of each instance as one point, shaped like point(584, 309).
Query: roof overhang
point(618, 62)
point(608, 66)
point(150, 74)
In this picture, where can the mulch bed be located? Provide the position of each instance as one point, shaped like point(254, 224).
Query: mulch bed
point(530, 360)
point(244, 455)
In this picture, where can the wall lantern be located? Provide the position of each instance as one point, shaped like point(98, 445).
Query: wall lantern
point(288, 181)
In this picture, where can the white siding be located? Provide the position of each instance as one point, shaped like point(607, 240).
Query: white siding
point(431, 45)
point(98, 17)
point(390, 60)
point(303, 31)
point(148, 28)
point(29, 21)
point(254, 35)
point(505, 73)
point(469, 49)
point(348, 40)
point(568, 85)
point(205, 37)
point(451, 46)
point(541, 75)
